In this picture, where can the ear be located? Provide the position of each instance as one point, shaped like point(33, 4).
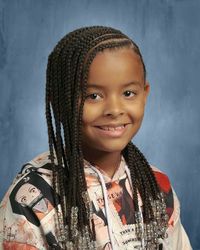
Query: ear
point(146, 90)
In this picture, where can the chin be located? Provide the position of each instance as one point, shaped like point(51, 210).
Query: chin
point(112, 147)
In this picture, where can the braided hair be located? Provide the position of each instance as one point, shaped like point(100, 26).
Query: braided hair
point(67, 74)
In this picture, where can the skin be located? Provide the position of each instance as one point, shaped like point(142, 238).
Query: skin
point(113, 103)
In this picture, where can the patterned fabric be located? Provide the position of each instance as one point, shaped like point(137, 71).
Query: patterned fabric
point(28, 214)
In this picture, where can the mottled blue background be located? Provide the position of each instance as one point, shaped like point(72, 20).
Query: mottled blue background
point(168, 33)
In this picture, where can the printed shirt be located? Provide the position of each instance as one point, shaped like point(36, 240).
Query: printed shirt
point(28, 210)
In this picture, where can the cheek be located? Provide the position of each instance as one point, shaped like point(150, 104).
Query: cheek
point(90, 113)
point(136, 112)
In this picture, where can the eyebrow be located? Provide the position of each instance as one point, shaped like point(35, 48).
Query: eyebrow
point(93, 85)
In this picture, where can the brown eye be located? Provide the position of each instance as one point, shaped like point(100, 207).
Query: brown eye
point(92, 96)
point(129, 93)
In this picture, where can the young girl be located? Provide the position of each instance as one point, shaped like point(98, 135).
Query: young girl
point(93, 189)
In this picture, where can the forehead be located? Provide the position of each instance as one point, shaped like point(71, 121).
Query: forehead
point(116, 66)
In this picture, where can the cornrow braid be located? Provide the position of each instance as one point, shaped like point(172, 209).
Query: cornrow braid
point(67, 75)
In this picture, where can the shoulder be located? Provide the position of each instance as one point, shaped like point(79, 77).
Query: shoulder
point(30, 202)
point(162, 179)
point(38, 170)
point(40, 161)
point(171, 199)
point(33, 182)
point(34, 173)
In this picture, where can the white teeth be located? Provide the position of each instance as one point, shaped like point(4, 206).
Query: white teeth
point(112, 128)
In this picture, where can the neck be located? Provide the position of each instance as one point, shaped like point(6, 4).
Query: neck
point(107, 161)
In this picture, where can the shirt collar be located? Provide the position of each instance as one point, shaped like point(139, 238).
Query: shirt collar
point(119, 173)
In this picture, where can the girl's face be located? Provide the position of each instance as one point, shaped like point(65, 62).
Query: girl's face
point(116, 95)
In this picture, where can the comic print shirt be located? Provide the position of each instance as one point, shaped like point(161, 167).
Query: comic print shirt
point(28, 214)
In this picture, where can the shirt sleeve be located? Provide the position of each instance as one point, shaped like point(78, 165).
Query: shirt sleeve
point(177, 237)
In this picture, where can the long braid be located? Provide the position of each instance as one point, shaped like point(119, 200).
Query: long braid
point(67, 74)
point(80, 170)
point(145, 184)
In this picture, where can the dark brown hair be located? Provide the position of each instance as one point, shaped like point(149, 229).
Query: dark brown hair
point(67, 73)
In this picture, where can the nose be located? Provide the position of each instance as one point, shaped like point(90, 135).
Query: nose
point(113, 107)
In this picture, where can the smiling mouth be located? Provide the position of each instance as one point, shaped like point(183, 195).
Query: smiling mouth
point(109, 128)
point(112, 131)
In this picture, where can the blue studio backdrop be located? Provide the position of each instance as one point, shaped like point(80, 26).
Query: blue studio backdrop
point(167, 33)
